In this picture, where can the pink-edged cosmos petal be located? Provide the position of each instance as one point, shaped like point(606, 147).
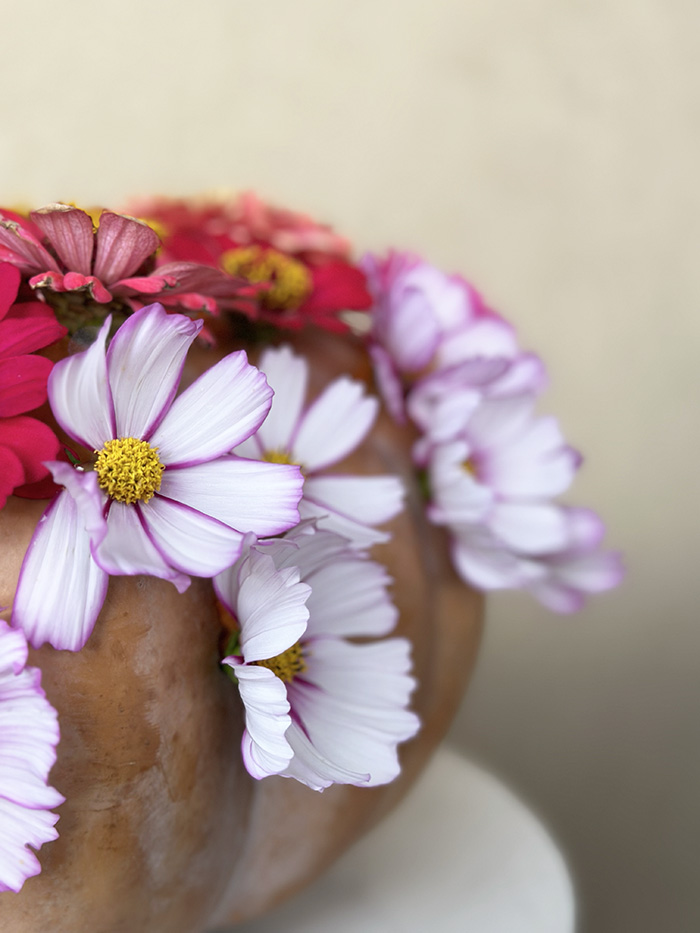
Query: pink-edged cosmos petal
point(264, 746)
point(128, 549)
point(191, 542)
point(368, 500)
point(144, 363)
point(60, 606)
point(245, 494)
point(194, 430)
point(80, 396)
point(287, 375)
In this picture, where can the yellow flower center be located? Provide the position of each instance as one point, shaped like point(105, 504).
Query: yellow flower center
point(286, 665)
point(278, 456)
point(289, 279)
point(129, 470)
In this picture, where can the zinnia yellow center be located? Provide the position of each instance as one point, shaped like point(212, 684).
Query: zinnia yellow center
point(286, 665)
point(290, 280)
point(129, 470)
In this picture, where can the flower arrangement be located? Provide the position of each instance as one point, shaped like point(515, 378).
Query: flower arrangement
point(236, 476)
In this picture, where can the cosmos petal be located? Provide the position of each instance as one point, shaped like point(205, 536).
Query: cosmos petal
point(59, 606)
point(127, 548)
point(190, 541)
point(195, 430)
point(245, 494)
point(334, 425)
point(144, 363)
point(79, 394)
point(287, 375)
point(264, 746)
point(369, 500)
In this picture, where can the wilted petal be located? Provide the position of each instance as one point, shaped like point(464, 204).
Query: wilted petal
point(123, 243)
point(70, 232)
point(334, 425)
point(195, 430)
point(80, 396)
point(144, 362)
point(264, 746)
point(189, 541)
point(128, 549)
point(61, 589)
point(28, 253)
point(245, 494)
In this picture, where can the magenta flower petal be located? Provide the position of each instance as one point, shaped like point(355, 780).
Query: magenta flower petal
point(128, 549)
point(30, 327)
point(123, 243)
point(194, 430)
point(59, 606)
point(9, 285)
point(144, 363)
point(80, 396)
point(190, 541)
point(23, 384)
point(70, 232)
point(335, 424)
point(245, 494)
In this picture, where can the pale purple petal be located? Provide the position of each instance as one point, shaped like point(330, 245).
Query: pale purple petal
point(245, 494)
point(190, 542)
point(388, 383)
point(531, 528)
point(61, 589)
point(287, 375)
point(123, 243)
point(128, 550)
point(84, 488)
point(482, 561)
point(222, 408)
point(369, 500)
point(265, 748)
point(309, 767)
point(488, 336)
point(334, 425)
point(20, 827)
point(80, 396)
point(270, 606)
point(144, 362)
point(457, 496)
point(70, 232)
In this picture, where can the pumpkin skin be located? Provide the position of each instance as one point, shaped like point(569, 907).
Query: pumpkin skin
point(162, 828)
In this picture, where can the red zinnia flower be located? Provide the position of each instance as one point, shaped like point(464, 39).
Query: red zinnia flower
point(304, 268)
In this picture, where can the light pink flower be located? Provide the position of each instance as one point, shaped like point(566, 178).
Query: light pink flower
point(164, 498)
point(318, 437)
point(28, 738)
point(319, 708)
point(492, 486)
point(580, 569)
point(423, 319)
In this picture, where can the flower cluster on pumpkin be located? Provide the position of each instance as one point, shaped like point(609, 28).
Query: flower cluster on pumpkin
point(227, 479)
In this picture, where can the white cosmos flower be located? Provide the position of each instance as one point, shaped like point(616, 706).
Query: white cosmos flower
point(164, 497)
point(318, 437)
point(28, 738)
point(319, 708)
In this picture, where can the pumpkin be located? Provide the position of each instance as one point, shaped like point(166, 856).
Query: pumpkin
point(162, 828)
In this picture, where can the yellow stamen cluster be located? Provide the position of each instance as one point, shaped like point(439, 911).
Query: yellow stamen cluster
point(289, 279)
point(278, 456)
point(129, 470)
point(286, 665)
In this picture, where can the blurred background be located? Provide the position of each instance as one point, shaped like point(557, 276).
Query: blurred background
point(549, 152)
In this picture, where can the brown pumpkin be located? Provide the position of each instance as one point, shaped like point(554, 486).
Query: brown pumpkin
point(162, 828)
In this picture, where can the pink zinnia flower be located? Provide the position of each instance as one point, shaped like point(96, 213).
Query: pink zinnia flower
point(318, 437)
point(28, 738)
point(60, 251)
point(163, 497)
point(24, 442)
point(319, 708)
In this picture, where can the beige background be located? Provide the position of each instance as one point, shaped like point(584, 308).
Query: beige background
point(549, 151)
